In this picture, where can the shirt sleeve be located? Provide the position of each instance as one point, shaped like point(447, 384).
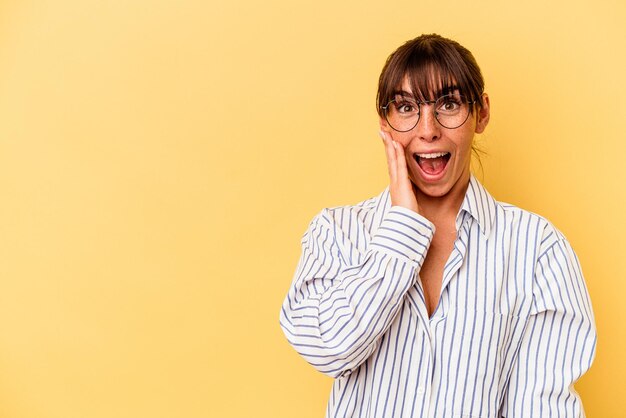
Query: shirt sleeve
point(335, 311)
point(559, 341)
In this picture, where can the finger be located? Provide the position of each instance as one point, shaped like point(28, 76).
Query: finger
point(405, 195)
point(391, 156)
point(401, 170)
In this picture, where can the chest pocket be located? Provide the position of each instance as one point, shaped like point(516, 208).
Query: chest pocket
point(472, 356)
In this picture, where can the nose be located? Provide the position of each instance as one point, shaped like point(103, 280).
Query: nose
point(428, 129)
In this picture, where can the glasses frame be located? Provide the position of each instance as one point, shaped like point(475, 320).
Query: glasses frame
point(419, 112)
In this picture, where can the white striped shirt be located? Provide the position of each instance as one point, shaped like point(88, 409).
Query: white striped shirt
point(512, 332)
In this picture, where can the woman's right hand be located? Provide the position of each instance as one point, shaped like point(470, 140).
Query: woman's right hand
point(400, 185)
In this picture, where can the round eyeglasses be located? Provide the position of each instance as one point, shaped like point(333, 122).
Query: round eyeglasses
point(451, 111)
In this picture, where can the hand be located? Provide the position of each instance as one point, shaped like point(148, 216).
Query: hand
point(400, 186)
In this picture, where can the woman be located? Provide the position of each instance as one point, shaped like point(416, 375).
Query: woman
point(433, 299)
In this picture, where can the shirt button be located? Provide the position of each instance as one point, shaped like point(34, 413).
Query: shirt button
point(420, 390)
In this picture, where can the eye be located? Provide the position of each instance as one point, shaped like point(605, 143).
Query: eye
point(406, 106)
point(449, 104)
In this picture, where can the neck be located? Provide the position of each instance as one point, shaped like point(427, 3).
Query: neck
point(443, 209)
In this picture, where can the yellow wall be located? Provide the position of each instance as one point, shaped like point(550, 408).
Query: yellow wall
point(160, 160)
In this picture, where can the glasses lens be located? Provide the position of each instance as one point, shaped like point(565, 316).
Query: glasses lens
point(452, 110)
point(402, 114)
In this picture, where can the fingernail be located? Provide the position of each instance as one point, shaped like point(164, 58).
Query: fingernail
point(382, 135)
point(394, 144)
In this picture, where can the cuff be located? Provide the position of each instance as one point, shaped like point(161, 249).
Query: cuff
point(404, 233)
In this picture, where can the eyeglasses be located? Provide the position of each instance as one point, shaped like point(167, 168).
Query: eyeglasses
point(451, 111)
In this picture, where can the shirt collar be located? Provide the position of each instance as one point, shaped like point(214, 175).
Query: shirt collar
point(478, 203)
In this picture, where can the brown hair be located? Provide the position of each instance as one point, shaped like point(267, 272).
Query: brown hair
point(434, 65)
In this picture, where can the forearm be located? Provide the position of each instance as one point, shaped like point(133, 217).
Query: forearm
point(335, 323)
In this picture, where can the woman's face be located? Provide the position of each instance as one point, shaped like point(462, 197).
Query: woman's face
point(438, 158)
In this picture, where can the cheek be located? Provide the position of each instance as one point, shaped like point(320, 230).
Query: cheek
point(464, 143)
point(404, 138)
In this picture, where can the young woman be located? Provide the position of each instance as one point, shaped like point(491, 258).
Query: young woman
point(433, 299)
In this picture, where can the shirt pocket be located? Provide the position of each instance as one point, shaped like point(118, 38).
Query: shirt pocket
point(477, 343)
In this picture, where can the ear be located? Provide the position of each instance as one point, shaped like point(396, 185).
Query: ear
point(482, 119)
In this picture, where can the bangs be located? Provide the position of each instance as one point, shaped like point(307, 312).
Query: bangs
point(432, 67)
point(429, 83)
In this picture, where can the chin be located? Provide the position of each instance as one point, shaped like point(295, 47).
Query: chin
point(436, 191)
point(433, 190)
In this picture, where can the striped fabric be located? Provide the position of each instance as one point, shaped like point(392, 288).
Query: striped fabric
point(512, 332)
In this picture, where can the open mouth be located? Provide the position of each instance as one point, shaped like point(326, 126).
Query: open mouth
point(434, 163)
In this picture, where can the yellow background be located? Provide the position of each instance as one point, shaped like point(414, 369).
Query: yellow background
point(160, 160)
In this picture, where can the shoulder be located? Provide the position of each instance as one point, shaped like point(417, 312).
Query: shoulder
point(347, 229)
point(366, 213)
point(505, 222)
point(529, 225)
